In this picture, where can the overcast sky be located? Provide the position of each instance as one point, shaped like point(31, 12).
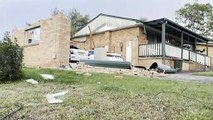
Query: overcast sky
point(16, 13)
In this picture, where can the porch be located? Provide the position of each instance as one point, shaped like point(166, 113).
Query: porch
point(169, 40)
point(155, 50)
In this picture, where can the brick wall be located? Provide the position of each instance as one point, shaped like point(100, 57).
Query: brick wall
point(52, 50)
point(210, 51)
point(113, 39)
point(116, 41)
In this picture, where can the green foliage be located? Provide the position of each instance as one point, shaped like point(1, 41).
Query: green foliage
point(77, 20)
point(197, 17)
point(11, 56)
point(57, 11)
point(143, 19)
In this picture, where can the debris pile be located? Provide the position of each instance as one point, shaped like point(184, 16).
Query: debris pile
point(86, 70)
point(52, 98)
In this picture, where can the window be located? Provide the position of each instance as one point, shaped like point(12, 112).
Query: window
point(29, 41)
point(33, 35)
point(91, 52)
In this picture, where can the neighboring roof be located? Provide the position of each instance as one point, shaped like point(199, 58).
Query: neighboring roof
point(174, 28)
point(104, 22)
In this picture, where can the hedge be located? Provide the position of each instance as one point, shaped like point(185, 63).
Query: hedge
point(11, 57)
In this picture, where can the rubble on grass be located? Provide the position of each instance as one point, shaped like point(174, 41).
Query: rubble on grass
point(51, 98)
point(88, 74)
point(32, 81)
point(86, 70)
point(118, 76)
point(47, 76)
point(79, 72)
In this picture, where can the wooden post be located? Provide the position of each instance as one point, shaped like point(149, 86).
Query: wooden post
point(205, 63)
point(91, 39)
point(182, 49)
point(182, 45)
point(196, 49)
point(207, 49)
point(163, 38)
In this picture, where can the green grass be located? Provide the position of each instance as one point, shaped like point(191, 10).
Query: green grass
point(210, 73)
point(102, 96)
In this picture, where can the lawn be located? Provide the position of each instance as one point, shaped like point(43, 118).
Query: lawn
point(210, 73)
point(104, 96)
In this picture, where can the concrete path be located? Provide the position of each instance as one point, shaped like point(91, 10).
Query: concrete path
point(190, 77)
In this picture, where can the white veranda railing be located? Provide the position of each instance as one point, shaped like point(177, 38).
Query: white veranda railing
point(152, 50)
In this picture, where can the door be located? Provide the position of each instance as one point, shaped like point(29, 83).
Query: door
point(129, 51)
point(178, 64)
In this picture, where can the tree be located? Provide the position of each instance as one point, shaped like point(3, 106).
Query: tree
point(197, 17)
point(77, 20)
point(143, 19)
point(11, 56)
point(57, 11)
point(6, 36)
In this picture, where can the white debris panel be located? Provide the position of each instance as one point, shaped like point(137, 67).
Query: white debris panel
point(47, 76)
point(32, 81)
point(51, 98)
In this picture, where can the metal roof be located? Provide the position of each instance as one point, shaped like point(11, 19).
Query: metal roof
point(101, 14)
point(174, 28)
point(171, 27)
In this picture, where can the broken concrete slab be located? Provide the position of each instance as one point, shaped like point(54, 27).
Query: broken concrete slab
point(60, 94)
point(73, 65)
point(32, 81)
point(51, 98)
point(47, 76)
point(161, 75)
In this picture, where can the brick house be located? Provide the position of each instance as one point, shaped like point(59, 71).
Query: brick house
point(143, 43)
point(45, 43)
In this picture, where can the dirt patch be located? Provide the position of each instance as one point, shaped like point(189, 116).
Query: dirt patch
point(190, 77)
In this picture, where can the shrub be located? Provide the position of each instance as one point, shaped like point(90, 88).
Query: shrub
point(11, 56)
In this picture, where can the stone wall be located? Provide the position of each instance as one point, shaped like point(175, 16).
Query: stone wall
point(52, 50)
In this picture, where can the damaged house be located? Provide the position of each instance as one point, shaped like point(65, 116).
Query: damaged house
point(45, 43)
point(142, 43)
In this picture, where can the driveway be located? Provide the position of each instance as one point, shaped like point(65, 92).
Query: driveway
point(190, 77)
